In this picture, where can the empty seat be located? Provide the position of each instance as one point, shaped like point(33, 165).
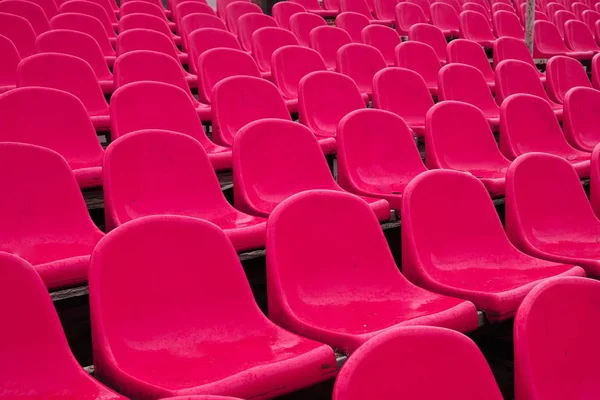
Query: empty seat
point(526, 125)
point(235, 10)
point(553, 7)
point(47, 223)
point(578, 37)
point(313, 7)
point(8, 64)
point(384, 9)
point(431, 35)
point(333, 5)
point(442, 207)
point(143, 7)
point(266, 40)
point(443, 356)
point(110, 11)
point(326, 40)
point(445, 17)
point(151, 22)
point(563, 74)
point(507, 48)
point(71, 74)
point(222, 4)
point(231, 348)
point(377, 155)
point(32, 12)
point(19, 31)
point(507, 24)
point(458, 137)
point(478, 8)
point(301, 24)
point(157, 172)
point(470, 53)
point(547, 43)
point(407, 15)
point(283, 10)
point(560, 18)
point(205, 39)
point(504, 7)
point(49, 7)
point(581, 123)
point(404, 93)
point(186, 8)
point(258, 190)
point(158, 105)
point(455, 4)
point(360, 62)
point(422, 59)
point(361, 7)
point(476, 27)
point(424, 4)
point(578, 9)
point(383, 38)
point(590, 18)
point(195, 21)
point(353, 23)
point(250, 23)
point(93, 10)
point(292, 63)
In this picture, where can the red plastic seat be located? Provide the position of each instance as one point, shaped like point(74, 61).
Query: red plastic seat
point(403, 92)
point(363, 8)
point(507, 48)
point(49, 7)
point(421, 58)
point(443, 356)
point(377, 155)
point(68, 73)
point(143, 7)
point(578, 37)
point(8, 64)
point(384, 9)
point(45, 220)
point(560, 18)
point(384, 39)
point(476, 27)
point(258, 189)
point(453, 243)
point(32, 12)
point(158, 105)
point(424, 4)
point(563, 74)
point(229, 348)
point(353, 23)
point(108, 7)
point(478, 8)
point(590, 18)
point(22, 347)
point(195, 21)
point(250, 23)
point(578, 9)
point(456, 4)
point(470, 53)
point(333, 5)
point(458, 137)
point(292, 63)
point(581, 123)
point(147, 21)
point(222, 4)
point(564, 230)
point(18, 30)
point(407, 15)
point(186, 8)
point(235, 10)
point(507, 24)
point(266, 40)
point(92, 10)
point(301, 24)
point(360, 62)
point(205, 39)
point(80, 45)
point(431, 35)
point(445, 17)
point(326, 40)
point(554, 7)
point(526, 126)
point(157, 172)
point(547, 43)
point(313, 7)
point(283, 10)
point(504, 7)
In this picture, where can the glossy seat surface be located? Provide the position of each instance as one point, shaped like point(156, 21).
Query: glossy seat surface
point(86, 24)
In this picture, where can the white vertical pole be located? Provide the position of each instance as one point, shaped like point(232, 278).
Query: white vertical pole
point(529, 20)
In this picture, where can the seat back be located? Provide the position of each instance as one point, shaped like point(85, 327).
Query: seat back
point(384, 9)
point(581, 118)
point(579, 37)
point(310, 5)
point(507, 48)
point(506, 24)
point(445, 16)
point(145, 39)
point(222, 4)
point(110, 11)
point(195, 21)
point(578, 9)
point(186, 8)
point(91, 9)
point(250, 23)
point(86, 24)
point(360, 62)
point(464, 83)
point(470, 53)
point(205, 39)
point(9, 63)
point(419, 57)
point(19, 31)
point(553, 7)
point(235, 10)
point(475, 26)
point(424, 4)
point(383, 38)
point(324, 99)
point(504, 7)
point(407, 15)
point(266, 40)
point(353, 23)
point(144, 21)
point(560, 18)
point(431, 35)
point(590, 17)
point(332, 5)
point(283, 10)
point(514, 76)
point(302, 23)
point(49, 6)
point(259, 184)
point(547, 40)
point(290, 64)
point(28, 10)
point(142, 7)
point(476, 7)
point(357, 6)
point(455, 4)
point(326, 40)
point(564, 73)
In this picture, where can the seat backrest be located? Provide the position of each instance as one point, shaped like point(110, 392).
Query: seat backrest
point(360, 62)
point(302, 23)
point(508, 48)
point(419, 57)
point(325, 97)
point(28, 10)
point(383, 38)
point(239, 100)
point(578, 8)
point(235, 10)
point(205, 39)
point(445, 16)
point(10, 60)
point(266, 40)
point(145, 39)
point(357, 6)
point(64, 72)
point(353, 23)
point(431, 35)
point(384, 9)
point(195, 21)
point(590, 17)
point(475, 26)
point(579, 37)
point(310, 5)
point(470, 53)
point(547, 39)
point(283, 10)
point(222, 4)
point(250, 23)
point(564, 73)
point(506, 24)
point(19, 31)
point(464, 83)
point(407, 15)
point(49, 6)
point(77, 44)
point(455, 4)
point(142, 7)
point(186, 8)
point(514, 76)
point(581, 118)
point(332, 5)
point(574, 349)
point(560, 17)
point(476, 7)
point(449, 357)
point(553, 7)
point(86, 24)
point(504, 7)
point(326, 40)
point(153, 172)
point(261, 154)
point(290, 64)
point(144, 21)
point(91, 9)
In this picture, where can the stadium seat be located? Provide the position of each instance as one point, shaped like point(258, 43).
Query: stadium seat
point(222, 4)
point(443, 356)
point(8, 64)
point(57, 71)
point(360, 62)
point(56, 120)
point(80, 45)
point(283, 10)
point(313, 7)
point(205, 39)
point(333, 5)
point(431, 35)
point(578, 9)
point(421, 58)
point(476, 27)
point(470, 53)
point(360, 7)
point(507, 48)
point(258, 190)
point(554, 7)
point(424, 4)
point(563, 74)
point(506, 24)
point(560, 18)
point(266, 40)
point(480, 265)
point(445, 17)
point(403, 92)
point(478, 8)
point(353, 23)
point(49, 7)
point(547, 43)
point(110, 11)
point(326, 40)
point(526, 126)
point(573, 349)
point(590, 18)
point(407, 15)
point(143, 7)
point(301, 24)
point(248, 24)
point(32, 12)
point(384, 39)
point(458, 137)
point(93, 10)
point(157, 172)
point(186, 8)
point(455, 4)
point(504, 7)
point(578, 37)
point(195, 21)
point(581, 122)
point(384, 9)
point(235, 10)
point(158, 105)
point(147, 21)
point(19, 31)
point(381, 298)
point(228, 348)
point(47, 223)
point(23, 347)
point(377, 155)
